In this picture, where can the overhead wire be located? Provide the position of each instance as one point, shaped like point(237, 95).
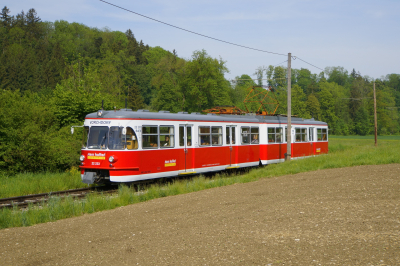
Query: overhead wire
point(280, 63)
point(308, 63)
point(209, 37)
point(255, 49)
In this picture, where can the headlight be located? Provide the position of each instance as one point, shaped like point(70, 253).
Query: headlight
point(111, 159)
point(82, 158)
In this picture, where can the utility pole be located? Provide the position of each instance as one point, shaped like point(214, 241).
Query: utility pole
point(288, 154)
point(376, 120)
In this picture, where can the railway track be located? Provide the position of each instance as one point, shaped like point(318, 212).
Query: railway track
point(24, 201)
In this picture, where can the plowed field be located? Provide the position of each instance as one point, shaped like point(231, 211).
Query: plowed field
point(347, 216)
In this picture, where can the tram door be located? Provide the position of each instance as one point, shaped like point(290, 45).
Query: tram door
point(186, 142)
point(311, 140)
point(231, 142)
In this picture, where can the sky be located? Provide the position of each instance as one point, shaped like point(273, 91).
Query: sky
point(358, 34)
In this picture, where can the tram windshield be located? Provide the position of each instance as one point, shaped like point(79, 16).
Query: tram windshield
point(98, 138)
point(112, 138)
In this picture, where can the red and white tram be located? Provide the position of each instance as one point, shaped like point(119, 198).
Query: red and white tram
point(127, 146)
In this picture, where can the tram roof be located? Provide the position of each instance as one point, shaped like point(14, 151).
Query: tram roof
point(184, 116)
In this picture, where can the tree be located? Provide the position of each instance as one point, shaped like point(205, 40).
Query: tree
point(337, 74)
point(313, 106)
point(135, 100)
point(6, 20)
point(299, 107)
point(204, 85)
point(240, 91)
point(327, 102)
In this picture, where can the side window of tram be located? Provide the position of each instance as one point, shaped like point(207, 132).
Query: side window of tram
point(150, 137)
point(189, 136)
point(301, 134)
point(182, 136)
point(311, 134)
point(216, 136)
point(85, 137)
point(254, 135)
point(131, 139)
point(245, 134)
point(275, 134)
point(204, 136)
point(322, 134)
point(228, 135)
point(167, 136)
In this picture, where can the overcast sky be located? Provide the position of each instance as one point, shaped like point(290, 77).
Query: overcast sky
point(359, 34)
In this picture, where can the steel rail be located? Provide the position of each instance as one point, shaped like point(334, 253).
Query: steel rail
point(24, 201)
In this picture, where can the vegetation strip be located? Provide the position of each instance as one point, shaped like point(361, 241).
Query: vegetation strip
point(24, 201)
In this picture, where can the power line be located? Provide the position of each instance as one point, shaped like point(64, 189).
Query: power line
point(191, 31)
point(307, 62)
point(280, 63)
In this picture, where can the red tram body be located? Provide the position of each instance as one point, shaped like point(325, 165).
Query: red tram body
point(127, 146)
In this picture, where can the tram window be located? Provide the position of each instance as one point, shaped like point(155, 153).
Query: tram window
point(275, 134)
point(181, 136)
point(98, 137)
point(232, 129)
point(254, 135)
point(116, 141)
point(150, 137)
point(85, 137)
point(216, 136)
point(166, 137)
point(131, 139)
point(301, 134)
point(204, 136)
point(311, 134)
point(279, 135)
point(245, 132)
point(322, 134)
point(189, 136)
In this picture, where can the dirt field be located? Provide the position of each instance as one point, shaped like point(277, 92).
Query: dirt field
point(348, 216)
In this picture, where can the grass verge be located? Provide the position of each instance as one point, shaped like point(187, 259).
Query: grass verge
point(28, 183)
point(343, 153)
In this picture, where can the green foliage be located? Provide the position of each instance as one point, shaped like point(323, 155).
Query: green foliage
point(30, 137)
point(204, 85)
point(313, 106)
point(79, 95)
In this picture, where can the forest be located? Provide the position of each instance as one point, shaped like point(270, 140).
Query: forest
point(54, 73)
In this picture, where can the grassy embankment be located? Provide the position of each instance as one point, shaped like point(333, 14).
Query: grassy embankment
point(26, 184)
point(343, 152)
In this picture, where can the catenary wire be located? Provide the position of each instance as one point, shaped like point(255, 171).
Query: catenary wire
point(308, 63)
point(280, 63)
point(255, 49)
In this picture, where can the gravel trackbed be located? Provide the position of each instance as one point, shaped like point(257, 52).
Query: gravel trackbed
point(347, 216)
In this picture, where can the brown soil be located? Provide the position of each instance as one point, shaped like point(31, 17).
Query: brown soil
point(347, 216)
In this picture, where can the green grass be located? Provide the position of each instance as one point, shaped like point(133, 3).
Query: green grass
point(25, 184)
point(370, 137)
point(343, 152)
